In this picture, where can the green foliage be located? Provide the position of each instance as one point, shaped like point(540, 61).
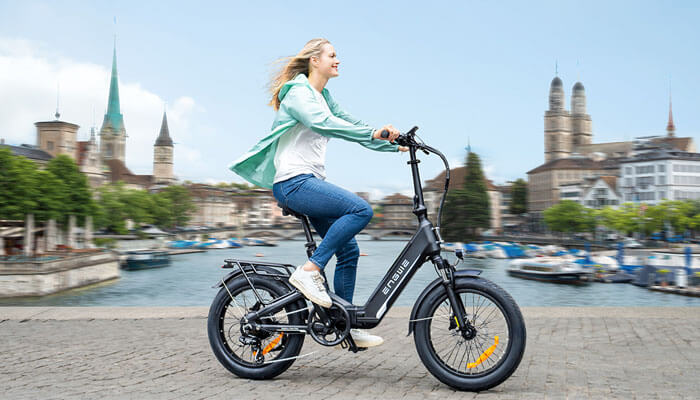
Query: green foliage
point(181, 203)
point(18, 179)
point(567, 216)
point(166, 209)
point(78, 196)
point(518, 194)
point(111, 213)
point(467, 209)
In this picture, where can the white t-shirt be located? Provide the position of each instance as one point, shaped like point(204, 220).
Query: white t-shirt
point(301, 151)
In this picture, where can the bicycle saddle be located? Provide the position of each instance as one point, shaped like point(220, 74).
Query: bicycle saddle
point(288, 211)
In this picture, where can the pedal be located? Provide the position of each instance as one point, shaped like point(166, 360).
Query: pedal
point(349, 344)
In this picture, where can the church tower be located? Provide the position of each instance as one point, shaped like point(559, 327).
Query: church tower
point(581, 124)
point(670, 127)
point(557, 124)
point(113, 133)
point(163, 155)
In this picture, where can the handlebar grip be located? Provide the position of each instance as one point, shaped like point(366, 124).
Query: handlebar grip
point(384, 134)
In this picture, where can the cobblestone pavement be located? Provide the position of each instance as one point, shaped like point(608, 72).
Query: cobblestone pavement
point(144, 353)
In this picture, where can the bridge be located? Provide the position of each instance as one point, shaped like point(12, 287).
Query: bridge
point(284, 233)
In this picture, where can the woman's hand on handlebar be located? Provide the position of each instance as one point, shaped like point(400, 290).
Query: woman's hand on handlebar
point(393, 133)
point(403, 148)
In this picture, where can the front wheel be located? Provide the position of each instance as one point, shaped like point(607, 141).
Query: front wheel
point(477, 358)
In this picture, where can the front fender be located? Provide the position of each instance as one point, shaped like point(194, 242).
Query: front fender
point(462, 273)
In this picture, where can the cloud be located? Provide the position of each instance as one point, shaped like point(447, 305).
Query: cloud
point(30, 74)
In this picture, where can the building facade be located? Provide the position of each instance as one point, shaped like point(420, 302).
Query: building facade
point(658, 174)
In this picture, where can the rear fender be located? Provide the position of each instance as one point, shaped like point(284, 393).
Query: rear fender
point(437, 285)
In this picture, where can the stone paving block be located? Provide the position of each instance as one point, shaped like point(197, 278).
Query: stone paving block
point(154, 353)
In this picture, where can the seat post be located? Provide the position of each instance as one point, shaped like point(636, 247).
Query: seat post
point(310, 243)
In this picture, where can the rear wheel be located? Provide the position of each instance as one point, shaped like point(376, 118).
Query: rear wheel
point(481, 356)
point(253, 355)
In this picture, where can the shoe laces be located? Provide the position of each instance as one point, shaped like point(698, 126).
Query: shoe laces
point(318, 281)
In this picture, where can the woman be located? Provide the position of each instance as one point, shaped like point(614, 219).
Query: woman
point(291, 160)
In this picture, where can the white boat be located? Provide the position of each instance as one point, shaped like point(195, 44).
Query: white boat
point(550, 269)
point(214, 244)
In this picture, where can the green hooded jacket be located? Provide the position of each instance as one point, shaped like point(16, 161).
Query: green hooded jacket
point(300, 105)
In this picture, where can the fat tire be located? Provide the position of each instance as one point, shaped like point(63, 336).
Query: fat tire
point(517, 337)
point(218, 306)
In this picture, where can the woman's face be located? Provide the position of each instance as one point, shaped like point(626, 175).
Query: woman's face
point(327, 63)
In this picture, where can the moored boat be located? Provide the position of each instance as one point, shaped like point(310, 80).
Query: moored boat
point(550, 269)
point(145, 259)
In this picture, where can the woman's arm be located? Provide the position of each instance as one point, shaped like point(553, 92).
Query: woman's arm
point(301, 104)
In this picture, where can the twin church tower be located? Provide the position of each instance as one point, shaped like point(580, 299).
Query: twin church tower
point(106, 161)
point(564, 131)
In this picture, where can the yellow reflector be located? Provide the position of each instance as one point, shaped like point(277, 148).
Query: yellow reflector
point(485, 354)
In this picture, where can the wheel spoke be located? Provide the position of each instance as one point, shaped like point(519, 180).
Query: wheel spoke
point(457, 352)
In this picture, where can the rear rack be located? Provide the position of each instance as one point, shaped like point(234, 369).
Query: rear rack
point(285, 269)
point(247, 267)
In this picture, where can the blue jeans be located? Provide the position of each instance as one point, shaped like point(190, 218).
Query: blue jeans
point(337, 215)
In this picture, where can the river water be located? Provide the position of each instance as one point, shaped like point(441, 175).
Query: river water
point(188, 281)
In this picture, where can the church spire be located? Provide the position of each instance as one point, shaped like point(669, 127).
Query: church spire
point(670, 127)
point(164, 136)
point(114, 117)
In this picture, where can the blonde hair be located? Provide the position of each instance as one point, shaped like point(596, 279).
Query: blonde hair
point(293, 66)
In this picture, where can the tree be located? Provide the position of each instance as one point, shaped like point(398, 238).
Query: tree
point(567, 216)
point(467, 209)
point(518, 197)
point(79, 200)
point(51, 197)
point(181, 201)
point(111, 213)
point(18, 180)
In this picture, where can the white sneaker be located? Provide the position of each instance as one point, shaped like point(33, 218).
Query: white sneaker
point(365, 339)
point(310, 284)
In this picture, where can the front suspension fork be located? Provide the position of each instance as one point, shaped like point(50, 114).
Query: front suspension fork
point(446, 272)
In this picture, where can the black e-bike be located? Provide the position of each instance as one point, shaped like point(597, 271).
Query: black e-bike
point(469, 332)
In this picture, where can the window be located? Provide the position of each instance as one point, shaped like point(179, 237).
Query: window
point(662, 180)
point(662, 168)
point(628, 170)
point(628, 181)
point(644, 181)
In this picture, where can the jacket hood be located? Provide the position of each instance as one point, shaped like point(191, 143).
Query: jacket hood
point(300, 79)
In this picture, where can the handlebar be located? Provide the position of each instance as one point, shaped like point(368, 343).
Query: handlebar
point(405, 139)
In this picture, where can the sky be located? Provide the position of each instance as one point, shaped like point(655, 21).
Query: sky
point(464, 72)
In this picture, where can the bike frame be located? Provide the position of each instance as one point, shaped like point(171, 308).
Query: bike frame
point(423, 246)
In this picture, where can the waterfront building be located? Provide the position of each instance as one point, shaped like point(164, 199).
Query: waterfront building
point(658, 173)
point(214, 206)
point(570, 154)
point(398, 211)
point(104, 161)
point(592, 192)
